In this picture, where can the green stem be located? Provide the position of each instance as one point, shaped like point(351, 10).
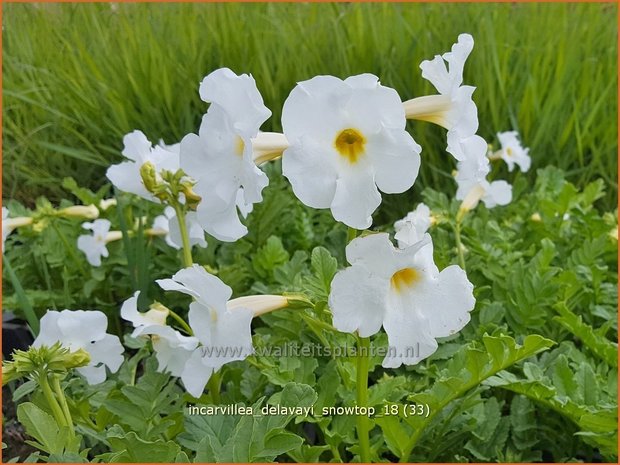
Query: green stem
point(459, 244)
point(187, 248)
point(59, 416)
point(63, 404)
point(181, 322)
point(351, 234)
point(214, 387)
point(31, 316)
point(363, 422)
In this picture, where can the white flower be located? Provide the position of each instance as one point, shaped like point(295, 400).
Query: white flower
point(94, 246)
point(138, 149)
point(79, 329)
point(411, 228)
point(224, 334)
point(512, 152)
point(10, 224)
point(403, 291)
point(347, 141)
point(155, 316)
point(454, 109)
point(471, 177)
point(172, 349)
point(169, 222)
point(220, 157)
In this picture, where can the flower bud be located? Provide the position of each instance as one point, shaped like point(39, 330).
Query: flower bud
point(89, 212)
point(191, 198)
point(107, 203)
point(148, 173)
point(79, 358)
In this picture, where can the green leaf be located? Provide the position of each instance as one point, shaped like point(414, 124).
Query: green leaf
point(324, 267)
point(598, 425)
point(599, 345)
point(128, 447)
point(469, 368)
point(269, 257)
point(49, 436)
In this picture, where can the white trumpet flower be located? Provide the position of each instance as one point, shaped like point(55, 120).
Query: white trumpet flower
point(224, 334)
point(347, 141)
point(172, 349)
point(454, 108)
point(411, 228)
point(471, 177)
point(94, 245)
point(169, 223)
point(220, 157)
point(139, 150)
point(403, 291)
point(79, 329)
point(10, 224)
point(155, 316)
point(512, 152)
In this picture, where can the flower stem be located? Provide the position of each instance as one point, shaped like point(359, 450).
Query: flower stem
point(459, 244)
point(181, 322)
point(59, 416)
point(187, 248)
point(63, 404)
point(363, 425)
point(214, 387)
point(351, 234)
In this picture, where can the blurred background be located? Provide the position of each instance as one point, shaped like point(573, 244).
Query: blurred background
point(77, 77)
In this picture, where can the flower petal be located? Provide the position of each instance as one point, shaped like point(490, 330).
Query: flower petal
point(201, 285)
point(497, 193)
point(126, 177)
point(136, 146)
point(196, 374)
point(239, 97)
point(395, 157)
point(449, 301)
point(108, 351)
point(357, 301)
point(409, 335)
point(356, 197)
point(309, 168)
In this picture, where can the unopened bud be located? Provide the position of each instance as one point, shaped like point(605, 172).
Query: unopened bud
point(89, 212)
point(79, 358)
point(148, 173)
point(107, 203)
point(191, 198)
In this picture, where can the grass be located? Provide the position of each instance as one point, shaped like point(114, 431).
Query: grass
point(79, 76)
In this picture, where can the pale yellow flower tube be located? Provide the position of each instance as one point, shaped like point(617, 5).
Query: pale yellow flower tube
point(267, 146)
point(89, 212)
point(431, 108)
point(259, 304)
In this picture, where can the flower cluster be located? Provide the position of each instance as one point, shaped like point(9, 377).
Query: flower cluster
point(344, 142)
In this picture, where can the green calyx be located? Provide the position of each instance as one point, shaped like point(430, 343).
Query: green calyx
point(45, 359)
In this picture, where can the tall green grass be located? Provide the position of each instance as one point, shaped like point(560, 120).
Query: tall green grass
point(79, 76)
